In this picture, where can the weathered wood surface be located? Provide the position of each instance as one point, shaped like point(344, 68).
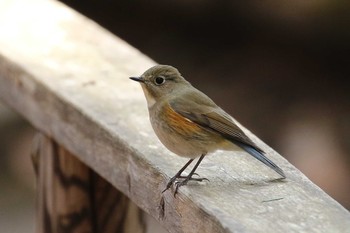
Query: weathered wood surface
point(69, 78)
point(72, 198)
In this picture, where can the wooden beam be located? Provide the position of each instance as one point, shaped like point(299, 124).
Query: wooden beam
point(69, 78)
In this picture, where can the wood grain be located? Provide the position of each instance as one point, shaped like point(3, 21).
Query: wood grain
point(72, 198)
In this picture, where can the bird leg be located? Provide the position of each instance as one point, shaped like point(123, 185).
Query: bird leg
point(189, 177)
point(177, 175)
point(186, 178)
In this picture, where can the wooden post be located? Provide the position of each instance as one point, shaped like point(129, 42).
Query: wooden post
point(73, 198)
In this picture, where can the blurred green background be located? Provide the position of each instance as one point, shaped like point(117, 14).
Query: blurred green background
point(281, 68)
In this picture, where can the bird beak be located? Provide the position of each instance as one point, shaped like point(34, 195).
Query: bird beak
point(138, 79)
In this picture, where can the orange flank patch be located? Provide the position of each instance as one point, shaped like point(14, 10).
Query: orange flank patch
point(181, 124)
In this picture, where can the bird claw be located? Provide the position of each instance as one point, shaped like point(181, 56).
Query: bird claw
point(186, 178)
point(178, 184)
point(171, 181)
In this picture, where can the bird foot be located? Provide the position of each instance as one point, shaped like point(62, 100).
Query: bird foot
point(183, 182)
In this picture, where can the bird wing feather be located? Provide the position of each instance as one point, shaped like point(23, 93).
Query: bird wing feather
point(200, 109)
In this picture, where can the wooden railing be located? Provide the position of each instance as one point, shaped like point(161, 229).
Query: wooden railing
point(101, 168)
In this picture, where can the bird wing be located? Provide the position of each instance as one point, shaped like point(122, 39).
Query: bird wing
point(201, 110)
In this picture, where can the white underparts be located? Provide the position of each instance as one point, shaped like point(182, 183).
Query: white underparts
point(150, 100)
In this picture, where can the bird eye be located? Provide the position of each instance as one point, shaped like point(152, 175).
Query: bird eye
point(159, 80)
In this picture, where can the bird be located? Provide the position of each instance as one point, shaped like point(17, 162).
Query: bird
point(190, 124)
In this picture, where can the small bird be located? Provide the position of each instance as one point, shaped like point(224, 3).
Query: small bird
point(189, 123)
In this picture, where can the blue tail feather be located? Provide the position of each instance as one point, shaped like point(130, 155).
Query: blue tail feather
point(261, 157)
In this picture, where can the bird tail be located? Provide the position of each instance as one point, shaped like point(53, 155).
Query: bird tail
point(261, 157)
